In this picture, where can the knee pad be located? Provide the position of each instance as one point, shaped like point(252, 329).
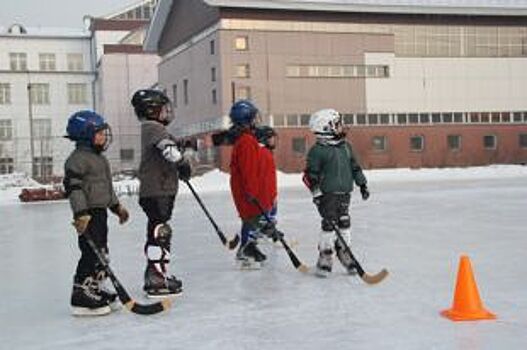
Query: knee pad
point(163, 235)
point(344, 221)
point(326, 240)
point(158, 257)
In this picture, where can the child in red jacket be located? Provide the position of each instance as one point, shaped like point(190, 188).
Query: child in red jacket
point(249, 183)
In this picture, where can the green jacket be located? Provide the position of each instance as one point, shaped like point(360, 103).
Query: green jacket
point(332, 168)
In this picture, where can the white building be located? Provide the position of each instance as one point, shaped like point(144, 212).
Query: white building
point(45, 76)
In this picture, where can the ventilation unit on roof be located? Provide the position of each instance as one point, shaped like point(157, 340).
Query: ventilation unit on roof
point(17, 29)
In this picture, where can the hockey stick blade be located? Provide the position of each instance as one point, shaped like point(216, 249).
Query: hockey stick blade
point(124, 297)
point(233, 243)
point(369, 279)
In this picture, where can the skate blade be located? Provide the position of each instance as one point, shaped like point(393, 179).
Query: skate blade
point(249, 265)
point(321, 273)
point(163, 294)
point(84, 311)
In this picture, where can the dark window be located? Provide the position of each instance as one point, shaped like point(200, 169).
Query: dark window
point(361, 119)
point(174, 95)
point(185, 91)
point(212, 47)
point(489, 141)
point(348, 119)
point(385, 119)
point(401, 118)
point(436, 118)
point(424, 118)
point(213, 74)
point(474, 117)
point(292, 120)
point(278, 120)
point(454, 142)
point(413, 118)
point(416, 143)
point(447, 117)
point(378, 143)
point(505, 117)
point(485, 117)
point(42, 166)
point(304, 119)
point(214, 97)
point(373, 119)
point(127, 154)
point(523, 140)
point(458, 117)
point(299, 145)
point(517, 116)
point(495, 117)
point(6, 165)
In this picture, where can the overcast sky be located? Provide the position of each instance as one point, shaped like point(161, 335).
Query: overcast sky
point(57, 13)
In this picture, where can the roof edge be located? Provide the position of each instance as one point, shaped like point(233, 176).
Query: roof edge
point(157, 24)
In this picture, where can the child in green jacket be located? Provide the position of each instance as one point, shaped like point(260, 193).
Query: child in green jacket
point(330, 172)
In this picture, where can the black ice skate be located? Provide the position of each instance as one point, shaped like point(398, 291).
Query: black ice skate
point(324, 263)
point(347, 261)
point(250, 257)
point(105, 292)
point(86, 299)
point(157, 285)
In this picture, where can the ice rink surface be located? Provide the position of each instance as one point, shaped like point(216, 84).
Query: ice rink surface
point(416, 229)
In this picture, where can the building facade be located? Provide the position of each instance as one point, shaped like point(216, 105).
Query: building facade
point(45, 76)
point(420, 85)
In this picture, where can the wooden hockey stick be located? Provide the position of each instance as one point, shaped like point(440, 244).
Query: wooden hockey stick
point(124, 297)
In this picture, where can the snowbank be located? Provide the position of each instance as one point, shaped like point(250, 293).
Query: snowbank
point(217, 181)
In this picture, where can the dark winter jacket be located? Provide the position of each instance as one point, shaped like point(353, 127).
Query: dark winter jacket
point(333, 168)
point(157, 176)
point(248, 177)
point(88, 181)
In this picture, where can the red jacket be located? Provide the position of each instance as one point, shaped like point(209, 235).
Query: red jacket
point(249, 177)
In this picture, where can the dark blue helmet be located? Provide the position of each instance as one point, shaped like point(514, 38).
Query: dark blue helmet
point(243, 112)
point(83, 125)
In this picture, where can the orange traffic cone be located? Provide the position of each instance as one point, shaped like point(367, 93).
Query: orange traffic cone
point(467, 305)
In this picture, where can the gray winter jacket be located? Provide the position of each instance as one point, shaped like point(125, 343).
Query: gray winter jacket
point(157, 176)
point(88, 181)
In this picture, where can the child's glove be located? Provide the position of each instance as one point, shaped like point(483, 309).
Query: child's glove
point(184, 171)
point(364, 192)
point(81, 223)
point(121, 212)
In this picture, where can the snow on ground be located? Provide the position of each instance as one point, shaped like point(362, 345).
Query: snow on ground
point(417, 224)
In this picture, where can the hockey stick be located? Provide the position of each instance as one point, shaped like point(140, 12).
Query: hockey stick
point(229, 244)
point(370, 279)
point(294, 259)
point(124, 297)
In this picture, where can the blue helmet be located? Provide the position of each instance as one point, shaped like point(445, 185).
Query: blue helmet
point(83, 125)
point(243, 112)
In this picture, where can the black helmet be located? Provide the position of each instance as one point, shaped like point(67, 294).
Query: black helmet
point(148, 103)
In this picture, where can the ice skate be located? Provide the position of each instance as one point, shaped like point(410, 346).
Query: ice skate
point(249, 257)
point(157, 285)
point(324, 263)
point(86, 299)
point(347, 261)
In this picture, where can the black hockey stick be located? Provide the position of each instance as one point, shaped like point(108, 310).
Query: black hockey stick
point(370, 279)
point(229, 244)
point(294, 259)
point(125, 298)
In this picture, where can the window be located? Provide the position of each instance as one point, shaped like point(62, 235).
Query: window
point(278, 120)
point(185, 92)
point(6, 165)
point(127, 154)
point(458, 117)
point(6, 130)
point(77, 93)
point(424, 118)
point(213, 74)
point(292, 120)
point(401, 118)
point(174, 95)
point(416, 143)
point(212, 47)
point(241, 43)
point(447, 117)
point(373, 119)
point(361, 119)
point(517, 116)
point(378, 143)
point(5, 93)
point(75, 62)
point(485, 118)
point(385, 119)
point(523, 140)
point(505, 117)
point(243, 93)
point(242, 71)
point(413, 118)
point(42, 166)
point(454, 142)
point(436, 118)
point(495, 117)
point(214, 96)
point(348, 119)
point(42, 128)
point(46, 61)
point(39, 94)
point(299, 145)
point(489, 141)
point(304, 119)
point(474, 117)
point(18, 61)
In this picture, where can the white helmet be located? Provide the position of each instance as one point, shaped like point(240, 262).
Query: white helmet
point(324, 123)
